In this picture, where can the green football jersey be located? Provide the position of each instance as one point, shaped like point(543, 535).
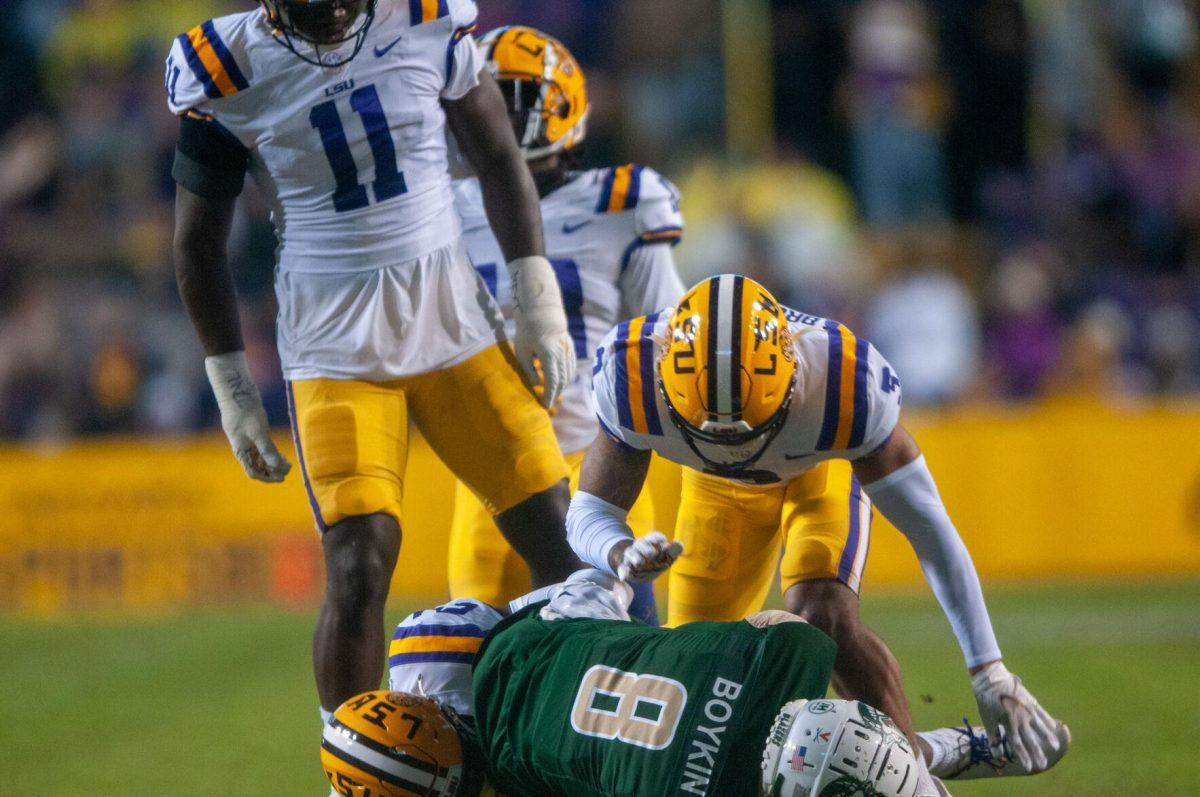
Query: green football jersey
point(597, 707)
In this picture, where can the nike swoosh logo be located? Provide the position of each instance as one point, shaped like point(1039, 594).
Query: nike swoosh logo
point(570, 228)
point(380, 52)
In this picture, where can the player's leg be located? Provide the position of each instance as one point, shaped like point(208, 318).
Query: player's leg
point(482, 565)
point(827, 518)
point(730, 534)
point(351, 441)
point(485, 424)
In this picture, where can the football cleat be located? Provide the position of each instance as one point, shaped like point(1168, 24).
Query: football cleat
point(543, 88)
point(728, 371)
point(830, 747)
point(392, 744)
point(966, 753)
point(324, 26)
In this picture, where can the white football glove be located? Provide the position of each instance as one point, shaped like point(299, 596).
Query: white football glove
point(1031, 735)
point(589, 593)
point(541, 327)
point(648, 557)
point(243, 417)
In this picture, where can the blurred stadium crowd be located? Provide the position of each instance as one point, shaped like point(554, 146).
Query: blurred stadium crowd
point(1003, 195)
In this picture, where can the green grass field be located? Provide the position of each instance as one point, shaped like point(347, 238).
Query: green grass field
point(221, 702)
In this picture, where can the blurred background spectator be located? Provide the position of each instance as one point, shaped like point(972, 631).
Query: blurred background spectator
point(1004, 195)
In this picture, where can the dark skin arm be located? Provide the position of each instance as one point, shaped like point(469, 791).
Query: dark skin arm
point(202, 271)
point(614, 474)
point(480, 124)
point(898, 451)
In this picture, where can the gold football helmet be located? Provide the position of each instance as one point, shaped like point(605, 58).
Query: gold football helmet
point(392, 744)
point(728, 371)
point(543, 87)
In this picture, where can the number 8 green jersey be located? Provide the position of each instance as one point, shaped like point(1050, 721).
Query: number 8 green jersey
point(588, 707)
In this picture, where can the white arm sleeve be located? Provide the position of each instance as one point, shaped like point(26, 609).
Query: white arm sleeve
point(909, 498)
point(594, 526)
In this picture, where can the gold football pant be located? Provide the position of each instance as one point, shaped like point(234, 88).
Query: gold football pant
point(478, 416)
point(733, 534)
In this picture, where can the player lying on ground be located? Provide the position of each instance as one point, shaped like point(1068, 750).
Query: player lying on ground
point(569, 697)
point(755, 400)
point(338, 110)
point(609, 234)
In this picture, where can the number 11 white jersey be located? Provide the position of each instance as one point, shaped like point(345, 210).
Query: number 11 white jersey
point(353, 157)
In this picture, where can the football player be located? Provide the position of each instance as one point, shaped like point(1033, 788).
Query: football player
point(338, 110)
point(609, 234)
point(788, 427)
point(566, 696)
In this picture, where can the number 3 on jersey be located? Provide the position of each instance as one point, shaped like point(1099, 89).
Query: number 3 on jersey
point(389, 181)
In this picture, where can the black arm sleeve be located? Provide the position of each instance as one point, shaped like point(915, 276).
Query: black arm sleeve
point(209, 161)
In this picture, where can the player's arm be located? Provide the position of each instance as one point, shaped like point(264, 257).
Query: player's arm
point(479, 122)
point(649, 280)
point(209, 168)
point(899, 483)
point(610, 480)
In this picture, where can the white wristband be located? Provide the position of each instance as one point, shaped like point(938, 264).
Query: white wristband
point(594, 526)
point(534, 283)
point(229, 375)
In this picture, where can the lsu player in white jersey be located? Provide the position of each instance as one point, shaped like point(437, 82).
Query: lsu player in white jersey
point(760, 403)
point(338, 110)
point(609, 234)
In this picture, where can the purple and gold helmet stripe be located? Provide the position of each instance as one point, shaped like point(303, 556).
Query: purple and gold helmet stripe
point(211, 62)
point(725, 347)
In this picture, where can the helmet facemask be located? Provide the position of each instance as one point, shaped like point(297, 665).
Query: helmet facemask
point(317, 31)
point(729, 447)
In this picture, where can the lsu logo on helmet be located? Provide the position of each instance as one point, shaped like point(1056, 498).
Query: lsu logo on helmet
point(392, 744)
point(543, 87)
point(729, 370)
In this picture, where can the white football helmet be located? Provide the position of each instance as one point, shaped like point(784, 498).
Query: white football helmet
point(836, 748)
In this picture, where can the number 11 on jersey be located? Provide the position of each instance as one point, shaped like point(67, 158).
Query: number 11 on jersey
point(349, 194)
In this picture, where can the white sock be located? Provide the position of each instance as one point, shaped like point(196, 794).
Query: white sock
point(939, 753)
point(924, 779)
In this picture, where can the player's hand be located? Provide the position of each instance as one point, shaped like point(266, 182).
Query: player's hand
point(647, 558)
point(542, 336)
point(243, 417)
point(1031, 735)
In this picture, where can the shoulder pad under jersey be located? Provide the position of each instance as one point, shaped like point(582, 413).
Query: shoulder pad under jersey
point(623, 381)
point(461, 13)
point(209, 62)
point(432, 650)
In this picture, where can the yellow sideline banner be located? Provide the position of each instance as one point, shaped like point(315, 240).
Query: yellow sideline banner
point(1038, 492)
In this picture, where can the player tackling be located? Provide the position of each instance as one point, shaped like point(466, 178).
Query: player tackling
point(609, 235)
point(566, 696)
point(338, 110)
point(559, 693)
point(750, 396)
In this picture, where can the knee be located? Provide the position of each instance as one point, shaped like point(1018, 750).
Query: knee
point(833, 608)
point(360, 554)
